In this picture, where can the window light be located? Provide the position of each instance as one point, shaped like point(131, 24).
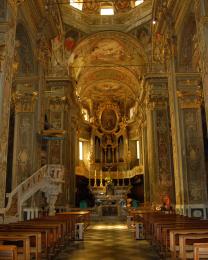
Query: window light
point(76, 4)
point(81, 151)
point(106, 11)
point(138, 150)
point(138, 2)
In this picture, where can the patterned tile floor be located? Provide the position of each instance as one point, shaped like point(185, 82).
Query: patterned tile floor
point(108, 240)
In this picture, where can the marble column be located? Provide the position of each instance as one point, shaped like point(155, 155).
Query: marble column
point(8, 15)
point(195, 184)
point(159, 142)
point(201, 17)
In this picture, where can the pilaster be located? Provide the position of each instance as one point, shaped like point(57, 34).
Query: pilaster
point(24, 138)
point(201, 16)
point(159, 141)
point(189, 93)
point(8, 14)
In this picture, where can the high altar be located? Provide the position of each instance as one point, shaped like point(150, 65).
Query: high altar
point(109, 159)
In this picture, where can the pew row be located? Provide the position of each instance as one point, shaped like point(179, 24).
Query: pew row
point(200, 250)
point(173, 235)
point(8, 252)
point(43, 238)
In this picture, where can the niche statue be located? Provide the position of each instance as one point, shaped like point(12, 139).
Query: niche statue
point(109, 187)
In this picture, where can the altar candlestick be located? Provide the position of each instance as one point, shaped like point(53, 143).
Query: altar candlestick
point(89, 180)
point(123, 184)
point(95, 182)
point(129, 178)
point(101, 178)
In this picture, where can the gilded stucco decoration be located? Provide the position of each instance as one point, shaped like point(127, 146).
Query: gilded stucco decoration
point(143, 35)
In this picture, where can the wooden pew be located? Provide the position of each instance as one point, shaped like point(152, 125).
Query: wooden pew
point(158, 226)
point(25, 239)
point(187, 242)
point(50, 231)
point(8, 252)
point(175, 237)
point(35, 248)
point(79, 216)
point(200, 250)
point(163, 231)
point(47, 233)
point(53, 236)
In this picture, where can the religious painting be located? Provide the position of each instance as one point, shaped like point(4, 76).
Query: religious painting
point(108, 50)
point(108, 120)
point(71, 38)
point(91, 6)
point(122, 6)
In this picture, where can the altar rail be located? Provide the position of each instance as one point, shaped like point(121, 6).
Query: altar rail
point(47, 179)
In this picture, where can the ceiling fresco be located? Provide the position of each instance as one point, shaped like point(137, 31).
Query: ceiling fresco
point(108, 65)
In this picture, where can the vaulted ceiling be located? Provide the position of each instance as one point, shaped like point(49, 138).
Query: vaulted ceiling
point(108, 66)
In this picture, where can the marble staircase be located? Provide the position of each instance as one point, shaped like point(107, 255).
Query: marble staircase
point(48, 179)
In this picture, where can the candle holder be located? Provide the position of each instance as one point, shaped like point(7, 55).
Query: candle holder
point(95, 179)
point(101, 178)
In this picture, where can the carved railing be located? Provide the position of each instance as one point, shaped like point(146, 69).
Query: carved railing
point(47, 179)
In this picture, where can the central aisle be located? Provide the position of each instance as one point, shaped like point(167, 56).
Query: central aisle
point(108, 240)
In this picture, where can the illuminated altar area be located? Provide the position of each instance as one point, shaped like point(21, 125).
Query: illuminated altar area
point(111, 164)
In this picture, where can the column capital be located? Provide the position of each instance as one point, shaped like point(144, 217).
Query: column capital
point(189, 92)
point(57, 103)
point(157, 96)
point(24, 102)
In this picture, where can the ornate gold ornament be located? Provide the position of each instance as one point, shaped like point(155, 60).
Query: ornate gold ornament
point(108, 115)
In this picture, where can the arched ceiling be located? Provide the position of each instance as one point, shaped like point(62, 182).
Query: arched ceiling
point(108, 65)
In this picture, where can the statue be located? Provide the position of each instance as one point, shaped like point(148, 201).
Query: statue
point(109, 187)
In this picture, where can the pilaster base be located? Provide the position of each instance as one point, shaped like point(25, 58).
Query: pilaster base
point(193, 210)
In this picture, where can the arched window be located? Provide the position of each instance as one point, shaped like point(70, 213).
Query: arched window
point(76, 4)
point(85, 114)
point(138, 2)
point(80, 150)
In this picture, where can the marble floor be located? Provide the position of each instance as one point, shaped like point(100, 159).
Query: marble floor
point(108, 240)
